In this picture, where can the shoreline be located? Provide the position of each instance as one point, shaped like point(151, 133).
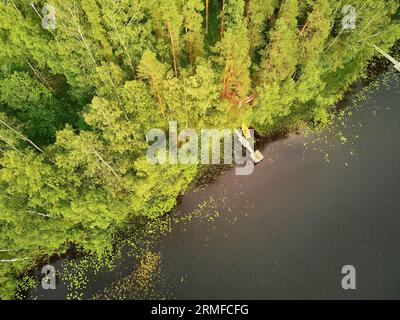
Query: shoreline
point(209, 175)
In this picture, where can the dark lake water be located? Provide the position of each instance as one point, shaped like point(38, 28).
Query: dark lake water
point(316, 203)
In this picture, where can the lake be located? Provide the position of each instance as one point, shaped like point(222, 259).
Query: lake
point(318, 201)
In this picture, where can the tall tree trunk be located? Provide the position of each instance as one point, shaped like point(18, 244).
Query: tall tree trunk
point(250, 27)
point(172, 48)
point(248, 10)
point(225, 83)
point(191, 54)
point(207, 10)
point(221, 32)
point(14, 260)
point(21, 135)
point(304, 28)
point(162, 106)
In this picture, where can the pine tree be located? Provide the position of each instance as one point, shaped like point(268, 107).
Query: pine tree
point(202, 98)
point(258, 12)
point(193, 21)
point(168, 22)
point(273, 103)
point(234, 50)
point(312, 44)
point(207, 14)
point(279, 59)
point(77, 101)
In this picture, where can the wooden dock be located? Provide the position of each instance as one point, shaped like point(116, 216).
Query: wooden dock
point(396, 63)
point(256, 156)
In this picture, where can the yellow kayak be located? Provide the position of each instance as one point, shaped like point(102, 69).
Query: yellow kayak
point(246, 131)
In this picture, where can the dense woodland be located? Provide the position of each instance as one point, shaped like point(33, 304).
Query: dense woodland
point(76, 101)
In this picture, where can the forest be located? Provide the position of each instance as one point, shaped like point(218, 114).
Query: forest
point(81, 82)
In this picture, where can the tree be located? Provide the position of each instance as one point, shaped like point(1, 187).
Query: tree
point(202, 98)
point(273, 103)
point(234, 51)
point(156, 187)
point(207, 14)
point(123, 124)
point(312, 44)
point(33, 105)
point(77, 101)
point(279, 59)
point(86, 155)
point(258, 11)
point(153, 71)
point(129, 30)
point(21, 37)
point(166, 16)
point(193, 21)
point(93, 14)
point(346, 51)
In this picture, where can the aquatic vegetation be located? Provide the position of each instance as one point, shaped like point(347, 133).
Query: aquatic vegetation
point(137, 285)
point(340, 124)
point(79, 92)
